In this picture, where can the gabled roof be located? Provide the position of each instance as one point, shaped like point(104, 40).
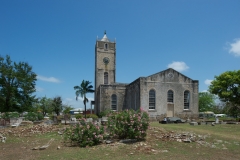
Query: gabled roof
point(169, 70)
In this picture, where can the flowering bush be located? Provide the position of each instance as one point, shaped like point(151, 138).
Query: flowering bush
point(85, 134)
point(128, 124)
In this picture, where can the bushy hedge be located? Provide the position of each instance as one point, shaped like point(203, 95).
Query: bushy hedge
point(104, 113)
point(78, 116)
point(93, 116)
point(31, 116)
point(8, 115)
point(128, 124)
point(85, 134)
point(125, 124)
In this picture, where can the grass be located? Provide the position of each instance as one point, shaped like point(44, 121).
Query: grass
point(223, 143)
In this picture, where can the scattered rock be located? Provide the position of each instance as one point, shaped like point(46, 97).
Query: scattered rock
point(36, 148)
point(128, 140)
point(44, 146)
point(187, 140)
point(3, 139)
point(219, 141)
point(108, 142)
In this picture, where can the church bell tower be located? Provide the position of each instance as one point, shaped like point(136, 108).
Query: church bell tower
point(105, 66)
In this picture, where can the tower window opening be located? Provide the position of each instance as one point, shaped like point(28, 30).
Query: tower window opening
point(105, 77)
point(106, 46)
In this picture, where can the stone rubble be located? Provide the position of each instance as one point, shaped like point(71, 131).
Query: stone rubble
point(155, 134)
point(3, 139)
point(186, 137)
point(28, 131)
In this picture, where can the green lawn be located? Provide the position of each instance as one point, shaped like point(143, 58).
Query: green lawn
point(221, 142)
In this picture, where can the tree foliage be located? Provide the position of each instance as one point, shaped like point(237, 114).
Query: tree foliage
point(206, 101)
point(45, 105)
point(227, 87)
point(84, 88)
point(17, 84)
point(57, 106)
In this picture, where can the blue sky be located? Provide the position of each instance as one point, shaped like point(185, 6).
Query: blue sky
point(199, 38)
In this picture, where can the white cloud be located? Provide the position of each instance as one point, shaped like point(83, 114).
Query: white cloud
point(205, 91)
point(179, 66)
point(235, 48)
point(39, 89)
point(48, 79)
point(208, 81)
point(69, 99)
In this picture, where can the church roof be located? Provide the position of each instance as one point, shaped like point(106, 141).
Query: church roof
point(105, 39)
point(171, 70)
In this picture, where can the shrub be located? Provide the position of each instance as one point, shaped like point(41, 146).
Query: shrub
point(84, 134)
point(40, 116)
point(8, 115)
point(78, 116)
point(60, 117)
point(51, 116)
point(128, 124)
point(31, 116)
point(93, 116)
point(104, 113)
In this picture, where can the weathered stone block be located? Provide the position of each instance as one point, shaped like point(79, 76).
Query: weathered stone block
point(193, 123)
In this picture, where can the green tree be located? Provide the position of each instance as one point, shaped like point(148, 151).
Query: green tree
point(45, 105)
point(231, 110)
point(67, 109)
point(84, 88)
point(206, 101)
point(227, 87)
point(17, 84)
point(57, 106)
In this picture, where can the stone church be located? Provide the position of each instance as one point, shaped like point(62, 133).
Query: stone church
point(166, 93)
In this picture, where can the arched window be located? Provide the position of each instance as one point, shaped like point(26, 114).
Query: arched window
point(151, 99)
point(105, 77)
point(186, 99)
point(170, 96)
point(114, 102)
point(105, 46)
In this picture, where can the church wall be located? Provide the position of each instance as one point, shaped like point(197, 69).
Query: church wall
point(161, 83)
point(106, 91)
point(133, 95)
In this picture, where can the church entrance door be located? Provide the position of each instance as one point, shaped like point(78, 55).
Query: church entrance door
point(170, 110)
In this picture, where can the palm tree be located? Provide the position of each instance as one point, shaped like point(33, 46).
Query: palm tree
point(82, 90)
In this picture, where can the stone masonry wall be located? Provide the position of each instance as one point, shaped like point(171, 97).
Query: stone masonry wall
point(106, 91)
point(133, 95)
point(161, 83)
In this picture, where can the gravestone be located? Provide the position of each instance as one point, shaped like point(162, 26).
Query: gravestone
point(217, 121)
point(193, 123)
point(104, 120)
